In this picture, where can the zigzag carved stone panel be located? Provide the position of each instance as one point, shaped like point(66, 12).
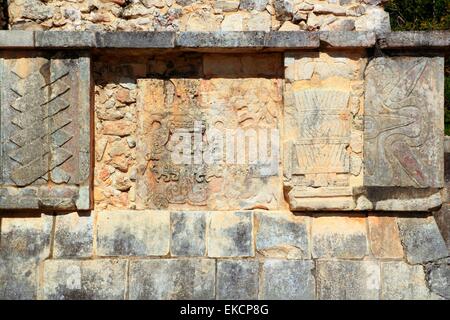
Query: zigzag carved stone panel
point(45, 131)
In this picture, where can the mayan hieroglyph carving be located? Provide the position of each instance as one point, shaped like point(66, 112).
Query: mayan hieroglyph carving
point(45, 132)
point(322, 137)
point(403, 134)
point(228, 130)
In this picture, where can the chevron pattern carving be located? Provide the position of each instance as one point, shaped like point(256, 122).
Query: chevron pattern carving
point(40, 136)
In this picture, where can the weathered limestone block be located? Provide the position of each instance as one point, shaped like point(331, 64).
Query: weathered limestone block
point(230, 234)
point(288, 279)
point(208, 144)
point(73, 235)
point(439, 278)
point(421, 239)
point(188, 233)
point(442, 218)
point(348, 280)
point(176, 279)
point(401, 281)
point(100, 279)
point(339, 237)
point(384, 237)
point(403, 135)
point(282, 235)
point(45, 131)
point(237, 279)
point(322, 141)
point(133, 233)
point(24, 242)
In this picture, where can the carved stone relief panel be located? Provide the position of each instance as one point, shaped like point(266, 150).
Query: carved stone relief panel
point(209, 144)
point(322, 130)
point(404, 123)
point(403, 131)
point(45, 131)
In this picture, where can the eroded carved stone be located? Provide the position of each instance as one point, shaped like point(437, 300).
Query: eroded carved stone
point(202, 113)
point(403, 132)
point(403, 136)
point(45, 131)
point(322, 140)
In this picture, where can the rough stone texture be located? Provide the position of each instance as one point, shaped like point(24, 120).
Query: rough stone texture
point(116, 114)
point(188, 233)
point(347, 39)
point(133, 233)
point(439, 278)
point(182, 133)
point(384, 237)
point(415, 39)
point(172, 279)
point(348, 280)
point(411, 134)
point(16, 38)
point(73, 235)
point(282, 235)
point(322, 141)
point(85, 279)
point(339, 237)
point(237, 279)
point(442, 218)
point(230, 234)
point(401, 281)
point(421, 239)
point(288, 280)
point(44, 146)
point(58, 39)
point(186, 15)
point(24, 242)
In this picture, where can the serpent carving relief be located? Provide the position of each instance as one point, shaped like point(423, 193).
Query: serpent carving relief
point(403, 123)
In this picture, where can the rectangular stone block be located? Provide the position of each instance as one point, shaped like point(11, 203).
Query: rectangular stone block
point(188, 233)
point(133, 233)
point(384, 237)
point(237, 279)
point(73, 235)
point(403, 282)
point(322, 137)
point(282, 235)
point(404, 122)
point(16, 39)
point(439, 279)
point(288, 280)
point(135, 40)
point(45, 114)
point(348, 280)
point(24, 242)
point(339, 237)
point(421, 239)
point(442, 218)
point(172, 279)
point(209, 144)
point(230, 234)
point(85, 279)
point(228, 39)
point(67, 39)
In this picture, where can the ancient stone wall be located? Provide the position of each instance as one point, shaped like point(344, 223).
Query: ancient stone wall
point(230, 165)
point(198, 15)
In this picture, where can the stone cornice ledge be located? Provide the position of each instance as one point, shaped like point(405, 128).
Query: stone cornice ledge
point(281, 40)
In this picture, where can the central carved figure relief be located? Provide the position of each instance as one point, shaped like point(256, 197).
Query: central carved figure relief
point(209, 143)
